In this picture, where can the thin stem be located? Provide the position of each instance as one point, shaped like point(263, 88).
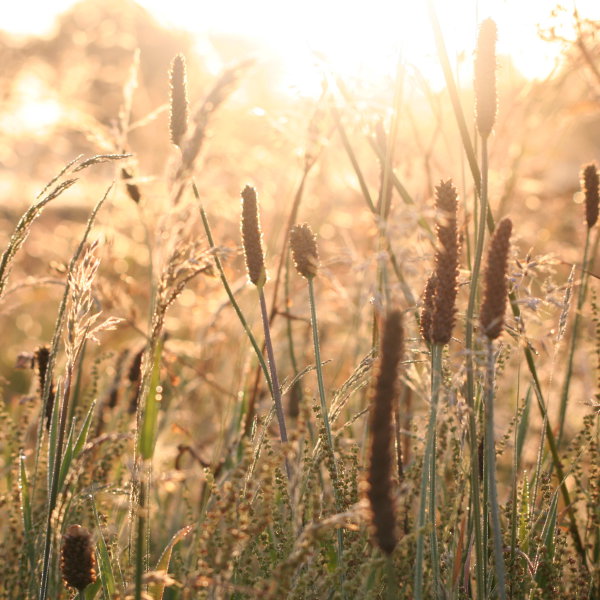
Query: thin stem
point(564, 397)
point(229, 292)
point(491, 471)
point(428, 483)
point(324, 411)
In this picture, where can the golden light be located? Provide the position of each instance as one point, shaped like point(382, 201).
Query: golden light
point(360, 39)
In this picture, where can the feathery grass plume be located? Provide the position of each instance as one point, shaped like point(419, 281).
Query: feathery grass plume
point(178, 117)
point(590, 184)
point(304, 250)
point(42, 357)
point(495, 290)
point(427, 309)
point(485, 78)
point(252, 238)
point(78, 563)
point(446, 264)
point(384, 396)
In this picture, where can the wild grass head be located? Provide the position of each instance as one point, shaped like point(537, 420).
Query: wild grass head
point(335, 346)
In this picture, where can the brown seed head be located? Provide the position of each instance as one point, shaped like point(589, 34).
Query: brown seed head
point(485, 78)
point(495, 290)
point(252, 238)
point(304, 250)
point(590, 184)
point(78, 563)
point(427, 310)
point(42, 358)
point(384, 395)
point(179, 101)
point(446, 264)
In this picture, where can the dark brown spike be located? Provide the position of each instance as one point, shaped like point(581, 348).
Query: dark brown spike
point(179, 102)
point(590, 184)
point(78, 563)
point(495, 290)
point(42, 358)
point(486, 101)
point(252, 238)
point(304, 250)
point(384, 396)
point(427, 309)
point(446, 264)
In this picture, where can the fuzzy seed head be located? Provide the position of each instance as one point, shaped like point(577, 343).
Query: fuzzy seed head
point(252, 238)
point(179, 101)
point(590, 184)
point(384, 395)
point(446, 264)
point(78, 563)
point(427, 309)
point(485, 78)
point(495, 289)
point(304, 250)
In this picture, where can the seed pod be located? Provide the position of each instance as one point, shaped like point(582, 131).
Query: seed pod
point(485, 78)
point(78, 563)
point(495, 290)
point(179, 101)
point(304, 250)
point(446, 264)
point(384, 395)
point(252, 238)
point(590, 185)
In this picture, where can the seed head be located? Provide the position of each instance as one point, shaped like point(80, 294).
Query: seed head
point(591, 189)
point(304, 250)
point(446, 264)
point(485, 78)
point(427, 310)
point(384, 395)
point(78, 563)
point(252, 238)
point(495, 289)
point(179, 101)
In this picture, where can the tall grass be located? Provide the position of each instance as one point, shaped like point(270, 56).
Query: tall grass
point(186, 479)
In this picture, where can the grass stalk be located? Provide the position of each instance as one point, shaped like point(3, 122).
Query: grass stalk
point(427, 491)
point(564, 396)
point(324, 410)
point(228, 290)
point(490, 458)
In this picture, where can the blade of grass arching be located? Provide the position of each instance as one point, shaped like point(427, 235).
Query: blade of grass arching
point(156, 590)
point(454, 98)
point(26, 513)
point(107, 576)
point(22, 230)
point(234, 304)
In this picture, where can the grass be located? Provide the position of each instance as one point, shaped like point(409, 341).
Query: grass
point(207, 465)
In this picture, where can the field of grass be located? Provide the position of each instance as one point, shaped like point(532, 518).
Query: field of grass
point(264, 346)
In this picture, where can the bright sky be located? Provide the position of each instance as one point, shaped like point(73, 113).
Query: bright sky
point(357, 36)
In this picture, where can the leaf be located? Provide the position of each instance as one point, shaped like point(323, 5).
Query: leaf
point(156, 590)
point(106, 573)
point(26, 509)
point(148, 435)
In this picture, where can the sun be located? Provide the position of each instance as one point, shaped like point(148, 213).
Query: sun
point(362, 39)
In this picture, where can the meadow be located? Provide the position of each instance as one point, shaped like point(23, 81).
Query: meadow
point(258, 345)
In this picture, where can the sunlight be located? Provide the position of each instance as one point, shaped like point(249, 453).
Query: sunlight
point(360, 40)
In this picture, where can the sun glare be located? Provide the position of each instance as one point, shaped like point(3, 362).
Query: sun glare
point(362, 40)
